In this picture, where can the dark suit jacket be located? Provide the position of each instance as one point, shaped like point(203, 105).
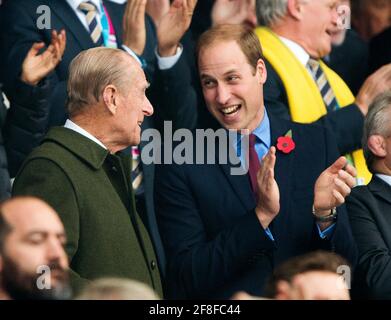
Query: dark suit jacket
point(369, 209)
point(214, 242)
point(89, 189)
point(380, 50)
point(346, 123)
point(171, 92)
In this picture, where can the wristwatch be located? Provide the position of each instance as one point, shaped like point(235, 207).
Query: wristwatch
point(329, 218)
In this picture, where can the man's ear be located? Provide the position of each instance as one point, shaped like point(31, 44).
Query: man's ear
point(110, 98)
point(377, 145)
point(261, 71)
point(1, 264)
point(295, 9)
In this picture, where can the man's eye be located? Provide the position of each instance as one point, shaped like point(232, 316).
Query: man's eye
point(35, 241)
point(208, 83)
point(233, 78)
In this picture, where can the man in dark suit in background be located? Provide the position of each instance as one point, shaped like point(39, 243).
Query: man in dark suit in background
point(369, 207)
point(296, 35)
point(224, 233)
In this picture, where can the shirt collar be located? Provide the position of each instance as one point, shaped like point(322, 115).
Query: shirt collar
point(262, 132)
point(75, 3)
point(73, 126)
point(297, 50)
point(385, 178)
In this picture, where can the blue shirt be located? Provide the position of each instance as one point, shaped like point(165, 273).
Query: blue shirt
point(262, 146)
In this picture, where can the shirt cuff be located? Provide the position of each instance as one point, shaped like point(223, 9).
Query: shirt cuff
point(131, 52)
point(165, 63)
point(327, 233)
point(269, 234)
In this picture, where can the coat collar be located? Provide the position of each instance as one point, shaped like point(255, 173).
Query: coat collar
point(380, 188)
point(85, 149)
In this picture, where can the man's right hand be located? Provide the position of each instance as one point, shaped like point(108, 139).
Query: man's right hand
point(268, 193)
point(37, 66)
point(377, 83)
point(134, 33)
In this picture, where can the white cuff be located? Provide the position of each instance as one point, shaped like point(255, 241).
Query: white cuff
point(130, 51)
point(165, 63)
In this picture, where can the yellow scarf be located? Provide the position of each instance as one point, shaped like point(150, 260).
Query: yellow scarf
point(303, 92)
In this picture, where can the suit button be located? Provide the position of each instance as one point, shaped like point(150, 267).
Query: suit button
point(114, 168)
point(153, 265)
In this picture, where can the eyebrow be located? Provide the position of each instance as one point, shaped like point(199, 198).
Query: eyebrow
point(203, 75)
point(45, 233)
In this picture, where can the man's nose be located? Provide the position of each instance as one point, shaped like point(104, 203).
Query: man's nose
point(223, 94)
point(147, 108)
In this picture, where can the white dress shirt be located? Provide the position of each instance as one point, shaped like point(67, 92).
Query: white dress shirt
point(73, 126)
point(163, 62)
point(385, 178)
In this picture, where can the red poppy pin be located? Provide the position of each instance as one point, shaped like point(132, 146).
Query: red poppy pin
point(286, 144)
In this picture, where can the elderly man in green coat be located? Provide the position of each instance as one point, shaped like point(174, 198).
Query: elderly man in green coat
point(80, 172)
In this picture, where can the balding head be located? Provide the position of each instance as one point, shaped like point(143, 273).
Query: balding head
point(32, 241)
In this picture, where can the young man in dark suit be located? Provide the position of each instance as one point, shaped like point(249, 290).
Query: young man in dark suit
point(369, 207)
point(224, 233)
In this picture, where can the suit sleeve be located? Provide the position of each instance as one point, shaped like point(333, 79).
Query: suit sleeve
point(198, 263)
point(341, 241)
point(45, 180)
point(374, 265)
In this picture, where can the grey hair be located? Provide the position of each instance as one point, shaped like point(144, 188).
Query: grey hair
point(377, 122)
point(270, 11)
point(90, 72)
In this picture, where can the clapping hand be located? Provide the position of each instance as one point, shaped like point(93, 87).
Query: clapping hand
point(37, 66)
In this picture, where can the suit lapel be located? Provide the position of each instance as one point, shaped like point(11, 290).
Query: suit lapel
point(241, 186)
point(283, 168)
point(380, 188)
point(65, 13)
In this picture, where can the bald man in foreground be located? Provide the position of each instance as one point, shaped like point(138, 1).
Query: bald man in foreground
point(33, 263)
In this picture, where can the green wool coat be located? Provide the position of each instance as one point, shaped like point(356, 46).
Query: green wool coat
point(90, 190)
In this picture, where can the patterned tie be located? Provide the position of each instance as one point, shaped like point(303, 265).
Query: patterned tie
point(137, 173)
point(324, 86)
point(253, 166)
point(89, 9)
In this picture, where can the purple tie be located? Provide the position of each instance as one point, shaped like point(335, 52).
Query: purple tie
point(254, 166)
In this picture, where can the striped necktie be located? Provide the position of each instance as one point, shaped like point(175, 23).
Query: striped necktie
point(324, 86)
point(137, 173)
point(91, 12)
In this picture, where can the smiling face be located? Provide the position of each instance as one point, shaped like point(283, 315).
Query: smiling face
point(319, 18)
point(233, 90)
